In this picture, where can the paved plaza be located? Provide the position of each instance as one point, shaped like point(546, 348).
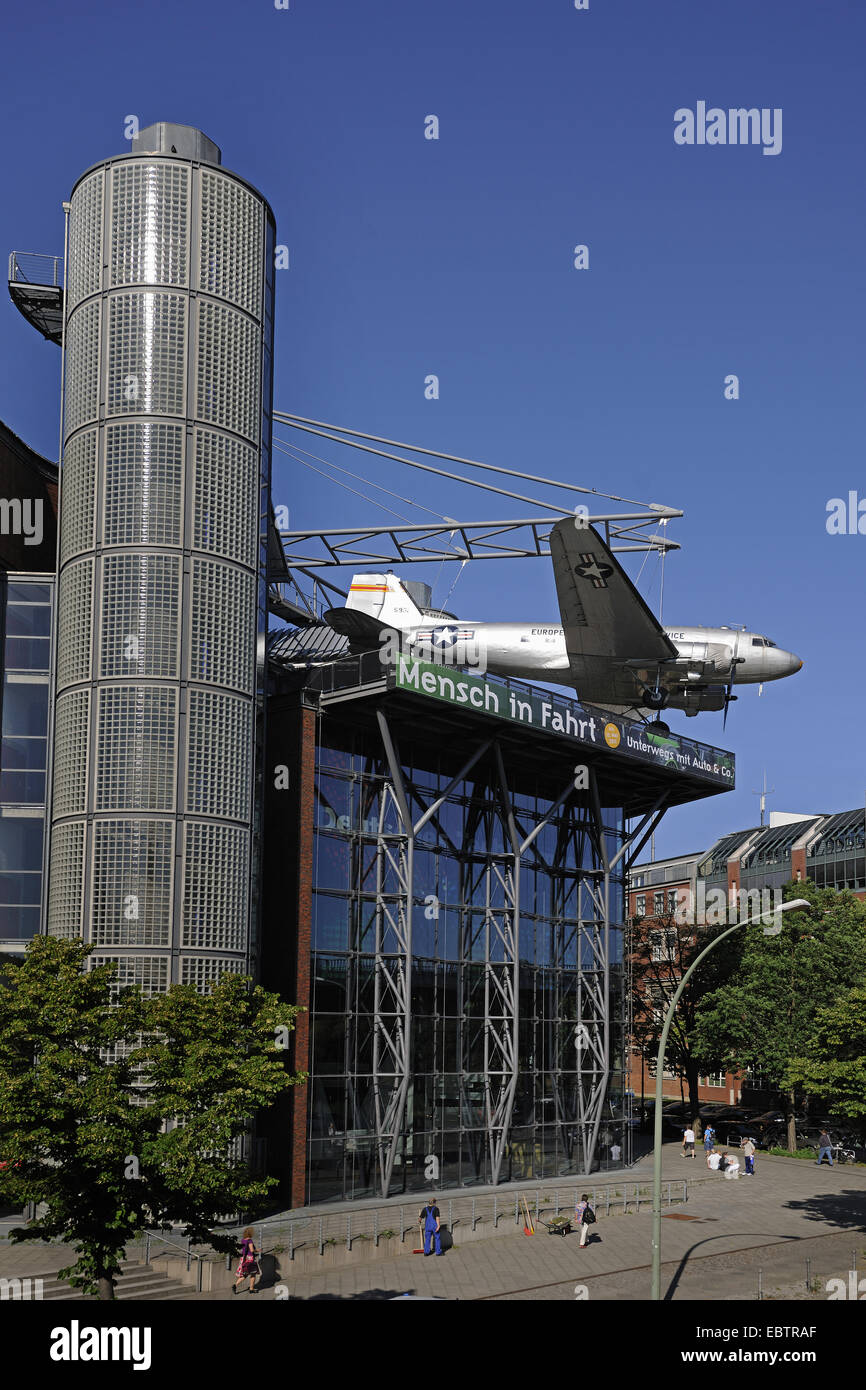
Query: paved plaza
point(730, 1236)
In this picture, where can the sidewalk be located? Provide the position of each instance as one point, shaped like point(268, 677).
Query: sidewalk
point(789, 1212)
point(712, 1248)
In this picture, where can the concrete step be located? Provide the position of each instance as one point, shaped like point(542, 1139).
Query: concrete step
point(136, 1282)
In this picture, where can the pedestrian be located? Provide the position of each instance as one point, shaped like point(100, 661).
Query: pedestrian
point(615, 1153)
point(732, 1167)
point(709, 1139)
point(584, 1217)
point(689, 1143)
point(713, 1160)
point(428, 1220)
point(749, 1152)
point(825, 1146)
point(248, 1265)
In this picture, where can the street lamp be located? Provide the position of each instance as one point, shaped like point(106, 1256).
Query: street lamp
point(660, 1062)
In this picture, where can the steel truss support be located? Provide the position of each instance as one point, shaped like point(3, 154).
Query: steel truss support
point(392, 1024)
point(507, 539)
point(393, 965)
point(595, 1044)
point(491, 936)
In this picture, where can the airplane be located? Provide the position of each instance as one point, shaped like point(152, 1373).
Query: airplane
point(608, 646)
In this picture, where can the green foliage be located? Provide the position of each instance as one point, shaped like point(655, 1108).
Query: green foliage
point(765, 1016)
point(119, 1111)
point(797, 1153)
point(654, 982)
point(834, 1062)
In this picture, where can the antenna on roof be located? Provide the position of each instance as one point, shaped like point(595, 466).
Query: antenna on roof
point(763, 794)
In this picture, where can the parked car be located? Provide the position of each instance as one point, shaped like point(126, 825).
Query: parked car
point(730, 1123)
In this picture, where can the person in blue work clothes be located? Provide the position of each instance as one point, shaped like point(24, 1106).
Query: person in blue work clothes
point(428, 1220)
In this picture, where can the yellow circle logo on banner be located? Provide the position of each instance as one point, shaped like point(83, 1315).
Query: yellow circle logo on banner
point(611, 735)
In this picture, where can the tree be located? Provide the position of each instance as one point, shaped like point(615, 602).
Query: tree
point(834, 1064)
point(661, 950)
point(765, 1016)
point(119, 1111)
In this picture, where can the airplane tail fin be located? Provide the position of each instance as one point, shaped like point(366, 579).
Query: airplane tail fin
point(383, 598)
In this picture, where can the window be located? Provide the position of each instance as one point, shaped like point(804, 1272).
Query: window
point(658, 904)
point(715, 1078)
point(663, 945)
point(672, 901)
point(640, 905)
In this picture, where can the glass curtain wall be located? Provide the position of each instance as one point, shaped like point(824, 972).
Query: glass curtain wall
point(461, 869)
point(26, 609)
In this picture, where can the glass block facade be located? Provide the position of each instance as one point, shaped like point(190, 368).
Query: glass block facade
point(26, 615)
point(161, 594)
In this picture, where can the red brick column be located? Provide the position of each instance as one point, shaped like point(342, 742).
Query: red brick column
point(306, 768)
point(798, 864)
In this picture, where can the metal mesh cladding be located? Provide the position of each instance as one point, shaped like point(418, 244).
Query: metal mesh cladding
point(67, 879)
point(146, 353)
point(219, 739)
point(149, 224)
point(215, 886)
point(133, 865)
point(85, 239)
point(137, 733)
point(228, 372)
point(222, 642)
point(78, 495)
point(71, 731)
point(205, 971)
point(140, 617)
point(82, 367)
point(225, 497)
point(230, 261)
point(143, 484)
point(74, 630)
point(170, 348)
point(150, 973)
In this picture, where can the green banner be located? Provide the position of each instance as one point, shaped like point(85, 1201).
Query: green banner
point(556, 714)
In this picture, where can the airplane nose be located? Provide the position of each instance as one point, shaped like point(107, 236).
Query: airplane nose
point(779, 663)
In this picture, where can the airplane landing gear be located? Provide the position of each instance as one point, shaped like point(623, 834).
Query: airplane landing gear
point(654, 697)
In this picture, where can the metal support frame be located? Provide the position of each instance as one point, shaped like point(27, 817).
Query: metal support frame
point(392, 1024)
point(393, 968)
point(490, 900)
point(508, 539)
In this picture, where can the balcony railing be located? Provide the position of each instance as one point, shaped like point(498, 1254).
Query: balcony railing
point(33, 268)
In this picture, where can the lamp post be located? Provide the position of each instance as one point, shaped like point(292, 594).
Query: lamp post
point(660, 1060)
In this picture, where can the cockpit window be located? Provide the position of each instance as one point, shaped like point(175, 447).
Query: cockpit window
point(762, 642)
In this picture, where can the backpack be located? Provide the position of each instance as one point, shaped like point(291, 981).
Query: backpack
point(588, 1218)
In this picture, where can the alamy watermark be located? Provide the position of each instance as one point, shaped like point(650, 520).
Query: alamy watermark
point(735, 126)
point(715, 907)
point(442, 644)
point(22, 516)
point(846, 516)
point(855, 1289)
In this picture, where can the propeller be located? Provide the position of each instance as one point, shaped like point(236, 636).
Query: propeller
point(729, 695)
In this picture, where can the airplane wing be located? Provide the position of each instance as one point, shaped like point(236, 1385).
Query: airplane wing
point(363, 631)
point(615, 645)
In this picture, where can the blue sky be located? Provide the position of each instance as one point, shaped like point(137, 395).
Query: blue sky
point(411, 256)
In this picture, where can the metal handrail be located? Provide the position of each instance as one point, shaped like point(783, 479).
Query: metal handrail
point(363, 667)
point(18, 276)
point(190, 1254)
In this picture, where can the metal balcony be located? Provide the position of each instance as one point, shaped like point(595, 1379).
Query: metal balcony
point(36, 287)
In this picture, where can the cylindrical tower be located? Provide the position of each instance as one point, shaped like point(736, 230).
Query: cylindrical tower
point(162, 580)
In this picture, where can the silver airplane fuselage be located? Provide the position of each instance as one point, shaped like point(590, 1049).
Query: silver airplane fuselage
point(537, 651)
